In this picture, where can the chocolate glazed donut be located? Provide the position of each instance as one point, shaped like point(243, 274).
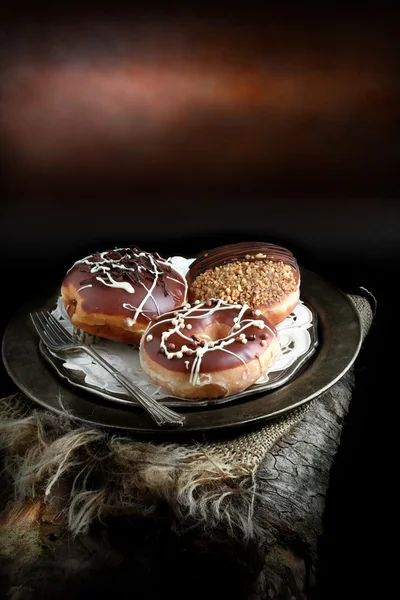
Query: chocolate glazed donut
point(208, 350)
point(264, 276)
point(115, 294)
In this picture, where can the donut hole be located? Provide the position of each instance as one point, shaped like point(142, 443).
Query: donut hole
point(214, 332)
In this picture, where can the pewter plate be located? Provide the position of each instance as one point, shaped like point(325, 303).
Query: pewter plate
point(339, 341)
point(76, 378)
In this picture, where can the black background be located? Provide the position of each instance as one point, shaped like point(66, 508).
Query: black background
point(322, 179)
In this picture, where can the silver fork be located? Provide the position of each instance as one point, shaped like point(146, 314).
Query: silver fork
point(58, 339)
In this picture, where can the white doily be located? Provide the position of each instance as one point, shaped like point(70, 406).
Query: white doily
point(295, 342)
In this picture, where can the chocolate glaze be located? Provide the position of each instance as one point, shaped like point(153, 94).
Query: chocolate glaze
point(238, 252)
point(169, 292)
point(212, 360)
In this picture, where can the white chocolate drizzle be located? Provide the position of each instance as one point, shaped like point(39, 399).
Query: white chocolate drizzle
point(104, 264)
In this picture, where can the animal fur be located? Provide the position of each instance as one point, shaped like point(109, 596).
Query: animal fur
point(139, 489)
point(113, 475)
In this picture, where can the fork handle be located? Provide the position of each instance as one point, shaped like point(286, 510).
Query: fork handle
point(161, 414)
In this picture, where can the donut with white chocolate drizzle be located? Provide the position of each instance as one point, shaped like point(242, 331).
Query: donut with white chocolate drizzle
point(116, 293)
point(264, 276)
point(211, 349)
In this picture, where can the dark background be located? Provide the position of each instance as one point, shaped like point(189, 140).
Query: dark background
point(180, 130)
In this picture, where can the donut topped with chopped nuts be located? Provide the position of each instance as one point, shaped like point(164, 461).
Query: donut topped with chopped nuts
point(264, 276)
point(209, 349)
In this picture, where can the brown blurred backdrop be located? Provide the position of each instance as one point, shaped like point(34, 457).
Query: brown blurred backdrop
point(168, 125)
point(158, 103)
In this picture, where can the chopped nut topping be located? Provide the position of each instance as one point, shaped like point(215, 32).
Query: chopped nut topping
point(256, 282)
